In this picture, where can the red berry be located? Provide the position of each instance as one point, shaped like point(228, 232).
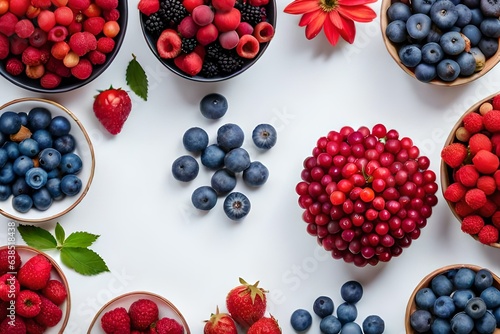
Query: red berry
point(479, 141)
point(486, 162)
point(454, 154)
point(472, 224)
point(263, 31)
point(169, 44)
point(491, 120)
point(227, 21)
point(488, 235)
point(248, 47)
point(473, 122)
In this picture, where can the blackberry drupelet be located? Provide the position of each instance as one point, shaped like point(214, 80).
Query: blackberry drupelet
point(155, 22)
point(188, 45)
point(173, 12)
point(210, 69)
point(249, 13)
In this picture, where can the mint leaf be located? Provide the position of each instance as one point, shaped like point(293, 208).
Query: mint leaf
point(60, 235)
point(37, 237)
point(80, 240)
point(83, 260)
point(137, 79)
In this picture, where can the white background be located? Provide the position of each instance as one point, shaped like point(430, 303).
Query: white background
point(151, 237)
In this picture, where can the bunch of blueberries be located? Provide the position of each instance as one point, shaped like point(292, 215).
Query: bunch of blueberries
point(227, 158)
point(444, 39)
point(459, 301)
point(345, 320)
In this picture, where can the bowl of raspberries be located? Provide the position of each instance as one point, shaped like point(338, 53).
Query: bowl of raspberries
point(208, 41)
point(459, 298)
point(140, 311)
point(445, 43)
point(46, 160)
point(60, 45)
point(34, 292)
point(470, 179)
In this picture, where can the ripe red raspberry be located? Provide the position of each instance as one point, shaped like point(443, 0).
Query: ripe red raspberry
point(111, 15)
point(14, 66)
point(82, 42)
point(454, 154)
point(105, 44)
point(467, 175)
point(116, 321)
point(473, 122)
point(491, 120)
point(472, 224)
point(57, 66)
point(488, 235)
point(486, 162)
point(55, 291)
point(94, 25)
point(495, 219)
point(96, 57)
point(479, 141)
point(50, 80)
point(168, 326)
point(4, 46)
point(455, 192)
point(32, 56)
point(8, 24)
point(15, 327)
point(475, 198)
point(488, 209)
point(107, 4)
point(83, 69)
point(496, 102)
point(33, 327)
point(50, 314)
point(9, 260)
point(143, 312)
point(487, 184)
point(462, 209)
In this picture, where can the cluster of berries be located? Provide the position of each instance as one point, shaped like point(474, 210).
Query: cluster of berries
point(142, 316)
point(207, 38)
point(53, 40)
point(31, 300)
point(246, 309)
point(472, 161)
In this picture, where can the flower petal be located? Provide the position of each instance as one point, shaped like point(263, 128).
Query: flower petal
point(357, 13)
point(334, 18)
point(331, 31)
point(314, 27)
point(348, 31)
point(354, 2)
point(301, 6)
point(308, 17)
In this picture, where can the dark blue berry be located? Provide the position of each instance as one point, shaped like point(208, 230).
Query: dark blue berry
point(230, 136)
point(5, 192)
point(330, 325)
point(373, 324)
point(237, 160)
point(213, 106)
point(461, 297)
point(204, 198)
point(43, 138)
point(7, 174)
point(49, 158)
point(4, 157)
point(425, 298)
point(483, 279)
point(19, 186)
point(351, 291)
point(185, 168)
point(256, 174)
point(71, 163)
point(213, 157)
point(442, 285)
point(491, 297)
point(347, 312)
point(441, 326)
point(59, 126)
point(236, 205)
point(22, 164)
point(461, 323)
point(264, 136)
point(464, 279)
point(421, 320)
point(71, 184)
point(29, 147)
point(42, 199)
point(36, 177)
point(22, 203)
point(475, 308)
point(53, 185)
point(444, 307)
point(65, 144)
point(39, 118)
point(351, 328)
point(223, 181)
point(486, 324)
point(195, 139)
point(323, 306)
point(301, 320)
point(10, 122)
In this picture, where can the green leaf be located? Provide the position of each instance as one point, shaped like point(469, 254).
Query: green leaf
point(60, 235)
point(83, 260)
point(80, 240)
point(37, 237)
point(137, 79)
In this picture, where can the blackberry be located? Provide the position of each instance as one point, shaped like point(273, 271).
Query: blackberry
point(213, 50)
point(210, 69)
point(188, 45)
point(173, 12)
point(155, 22)
point(229, 62)
point(249, 13)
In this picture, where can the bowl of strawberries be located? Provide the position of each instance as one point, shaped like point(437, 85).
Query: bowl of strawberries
point(57, 46)
point(470, 178)
point(208, 41)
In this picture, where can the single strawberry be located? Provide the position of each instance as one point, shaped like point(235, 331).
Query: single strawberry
point(112, 108)
point(246, 303)
point(265, 325)
point(168, 325)
point(55, 291)
point(143, 312)
point(50, 314)
point(148, 7)
point(454, 154)
point(116, 321)
point(35, 273)
point(13, 326)
point(220, 323)
point(28, 303)
point(9, 287)
point(10, 261)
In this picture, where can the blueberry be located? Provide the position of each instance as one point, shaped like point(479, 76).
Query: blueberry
point(4, 157)
point(434, 36)
point(432, 53)
point(223, 181)
point(487, 324)
point(12, 149)
point(396, 31)
point(39, 118)
point(347, 312)
point(71, 184)
point(36, 177)
point(29, 147)
point(65, 143)
point(464, 15)
point(256, 174)
point(22, 203)
point(490, 27)
point(301, 320)
point(70, 163)
point(452, 43)
point(444, 307)
point(425, 72)
point(483, 279)
point(237, 160)
point(204, 198)
point(195, 139)
point(441, 326)
point(43, 138)
point(410, 55)
point(464, 279)
point(53, 185)
point(351, 328)
point(53, 173)
point(330, 325)
point(491, 297)
point(488, 46)
point(422, 6)
point(351, 291)
point(425, 298)
point(418, 25)
point(442, 285)
point(59, 126)
point(461, 297)
point(42, 199)
point(236, 206)
point(477, 17)
point(264, 136)
point(496, 314)
point(490, 7)
point(323, 306)
point(5, 192)
point(7, 174)
point(473, 33)
point(461, 323)
point(398, 11)
point(448, 70)
point(421, 320)
point(24, 118)
point(213, 157)
point(475, 308)
point(373, 324)
point(22, 164)
point(19, 186)
point(49, 158)
point(443, 14)
point(185, 168)
point(472, 4)
point(10, 122)
point(230, 136)
point(213, 106)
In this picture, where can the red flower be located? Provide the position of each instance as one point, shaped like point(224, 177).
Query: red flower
point(336, 17)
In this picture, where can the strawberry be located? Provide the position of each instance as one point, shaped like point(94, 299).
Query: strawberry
point(55, 291)
point(148, 7)
point(35, 273)
point(143, 312)
point(112, 108)
point(9, 287)
point(265, 325)
point(454, 154)
point(13, 326)
point(28, 303)
point(116, 321)
point(9, 260)
point(220, 323)
point(50, 314)
point(246, 303)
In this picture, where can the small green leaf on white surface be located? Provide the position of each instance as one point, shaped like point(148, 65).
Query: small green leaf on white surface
point(37, 237)
point(83, 260)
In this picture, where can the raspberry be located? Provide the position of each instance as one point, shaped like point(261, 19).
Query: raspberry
point(105, 44)
point(473, 122)
point(79, 5)
point(148, 7)
point(488, 209)
point(9, 261)
point(17, 44)
point(14, 66)
point(472, 224)
point(462, 209)
point(486, 162)
point(41, 3)
point(57, 66)
point(50, 80)
point(107, 4)
point(83, 69)
point(143, 312)
point(4, 46)
point(94, 25)
point(496, 102)
point(467, 175)
point(479, 141)
point(33, 327)
point(50, 314)
point(475, 198)
point(15, 326)
point(32, 56)
point(495, 219)
point(82, 42)
point(111, 15)
point(455, 192)
point(8, 23)
point(96, 57)
point(168, 326)
point(454, 154)
point(491, 120)
point(496, 176)
point(488, 234)
point(24, 28)
point(116, 321)
point(487, 184)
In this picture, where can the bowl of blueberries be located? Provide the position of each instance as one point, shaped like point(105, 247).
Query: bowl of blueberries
point(445, 42)
point(460, 298)
point(47, 160)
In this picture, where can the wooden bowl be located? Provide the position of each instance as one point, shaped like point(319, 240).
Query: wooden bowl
point(425, 282)
point(166, 309)
point(446, 172)
point(393, 48)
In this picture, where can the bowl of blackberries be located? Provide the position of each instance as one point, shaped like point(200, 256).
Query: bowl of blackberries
point(47, 160)
point(208, 41)
point(58, 46)
point(446, 43)
point(461, 298)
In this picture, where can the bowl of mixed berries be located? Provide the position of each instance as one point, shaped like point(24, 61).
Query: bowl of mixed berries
point(53, 46)
point(208, 41)
point(470, 179)
point(366, 194)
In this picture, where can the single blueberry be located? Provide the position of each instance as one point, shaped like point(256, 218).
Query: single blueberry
point(7, 174)
point(256, 174)
point(301, 320)
point(212, 157)
point(461, 297)
point(488, 46)
point(71, 185)
point(425, 298)
point(373, 324)
point(425, 72)
point(53, 185)
point(419, 25)
point(461, 323)
point(36, 177)
point(410, 55)
point(475, 308)
point(59, 126)
point(43, 138)
point(230, 136)
point(477, 17)
point(442, 285)
point(487, 324)
point(443, 14)
point(185, 168)
point(422, 6)
point(347, 312)
point(29, 147)
point(452, 43)
point(464, 279)
point(434, 36)
point(195, 139)
point(464, 15)
point(351, 328)
point(39, 118)
point(236, 206)
point(432, 53)
point(22, 164)
point(323, 306)
point(473, 33)
point(22, 203)
point(491, 297)
point(483, 279)
point(448, 70)
point(10, 122)
point(223, 181)
point(12, 149)
point(496, 314)
point(19, 186)
point(49, 158)
point(41, 199)
point(351, 291)
point(213, 106)
point(264, 136)
point(330, 325)
point(24, 118)
point(204, 198)
point(70, 163)
point(421, 320)
point(65, 143)
point(396, 31)
point(398, 11)
point(444, 307)
point(440, 326)
point(237, 160)
point(490, 8)
point(5, 192)
point(490, 27)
